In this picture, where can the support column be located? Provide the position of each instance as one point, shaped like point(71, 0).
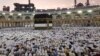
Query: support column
point(11, 24)
point(54, 16)
point(14, 24)
point(5, 24)
point(64, 16)
point(23, 17)
point(24, 24)
point(0, 24)
point(47, 24)
point(20, 24)
point(33, 22)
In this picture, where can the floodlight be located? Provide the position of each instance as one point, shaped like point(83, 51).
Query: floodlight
point(68, 12)
point(3, 13)
point(89, 11)
point(80, 12)
point(19, 14)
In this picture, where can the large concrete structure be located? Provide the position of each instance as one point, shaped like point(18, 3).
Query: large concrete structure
point(85, 16)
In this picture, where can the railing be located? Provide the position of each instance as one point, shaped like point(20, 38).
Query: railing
point(77, 22)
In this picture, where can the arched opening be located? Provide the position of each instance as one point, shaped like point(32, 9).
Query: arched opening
point(2, 17)
point(27, 17)
point(68, 16)
point(11, 17)
point(19, 18)
point(58, 17)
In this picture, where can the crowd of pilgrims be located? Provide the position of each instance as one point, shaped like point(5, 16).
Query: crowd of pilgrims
point(72, 41)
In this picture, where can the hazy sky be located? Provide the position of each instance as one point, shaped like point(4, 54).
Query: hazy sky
point(46, 4)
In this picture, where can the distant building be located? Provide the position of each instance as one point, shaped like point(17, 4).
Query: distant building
point(24, 7)
point(6, 8)
point(25, 15)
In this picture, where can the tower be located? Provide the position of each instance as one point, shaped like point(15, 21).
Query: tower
point(87, 3)
point(29, 1)
point(75, 3)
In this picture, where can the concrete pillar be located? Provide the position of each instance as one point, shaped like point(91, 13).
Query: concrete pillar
point(53, 23)
point(20, 24)
point(71, 16)
point(11, 24)
point(17, 24)
point(54, 16)
point(14, 17)
point(8, 24)
point(5, 24)
point(47, 24)
point(6, 17)
point(63, 16)
point(0, 24)
point(32, 23)
point(23, 17)
point(14, 24)
point(24, 24)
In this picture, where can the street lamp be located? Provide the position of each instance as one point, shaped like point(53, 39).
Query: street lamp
point(89, 11)
point(69, 12)
point(23, 7)
point(33, 14)
point(80, 12)
point(3, 13)
point(19, 14)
